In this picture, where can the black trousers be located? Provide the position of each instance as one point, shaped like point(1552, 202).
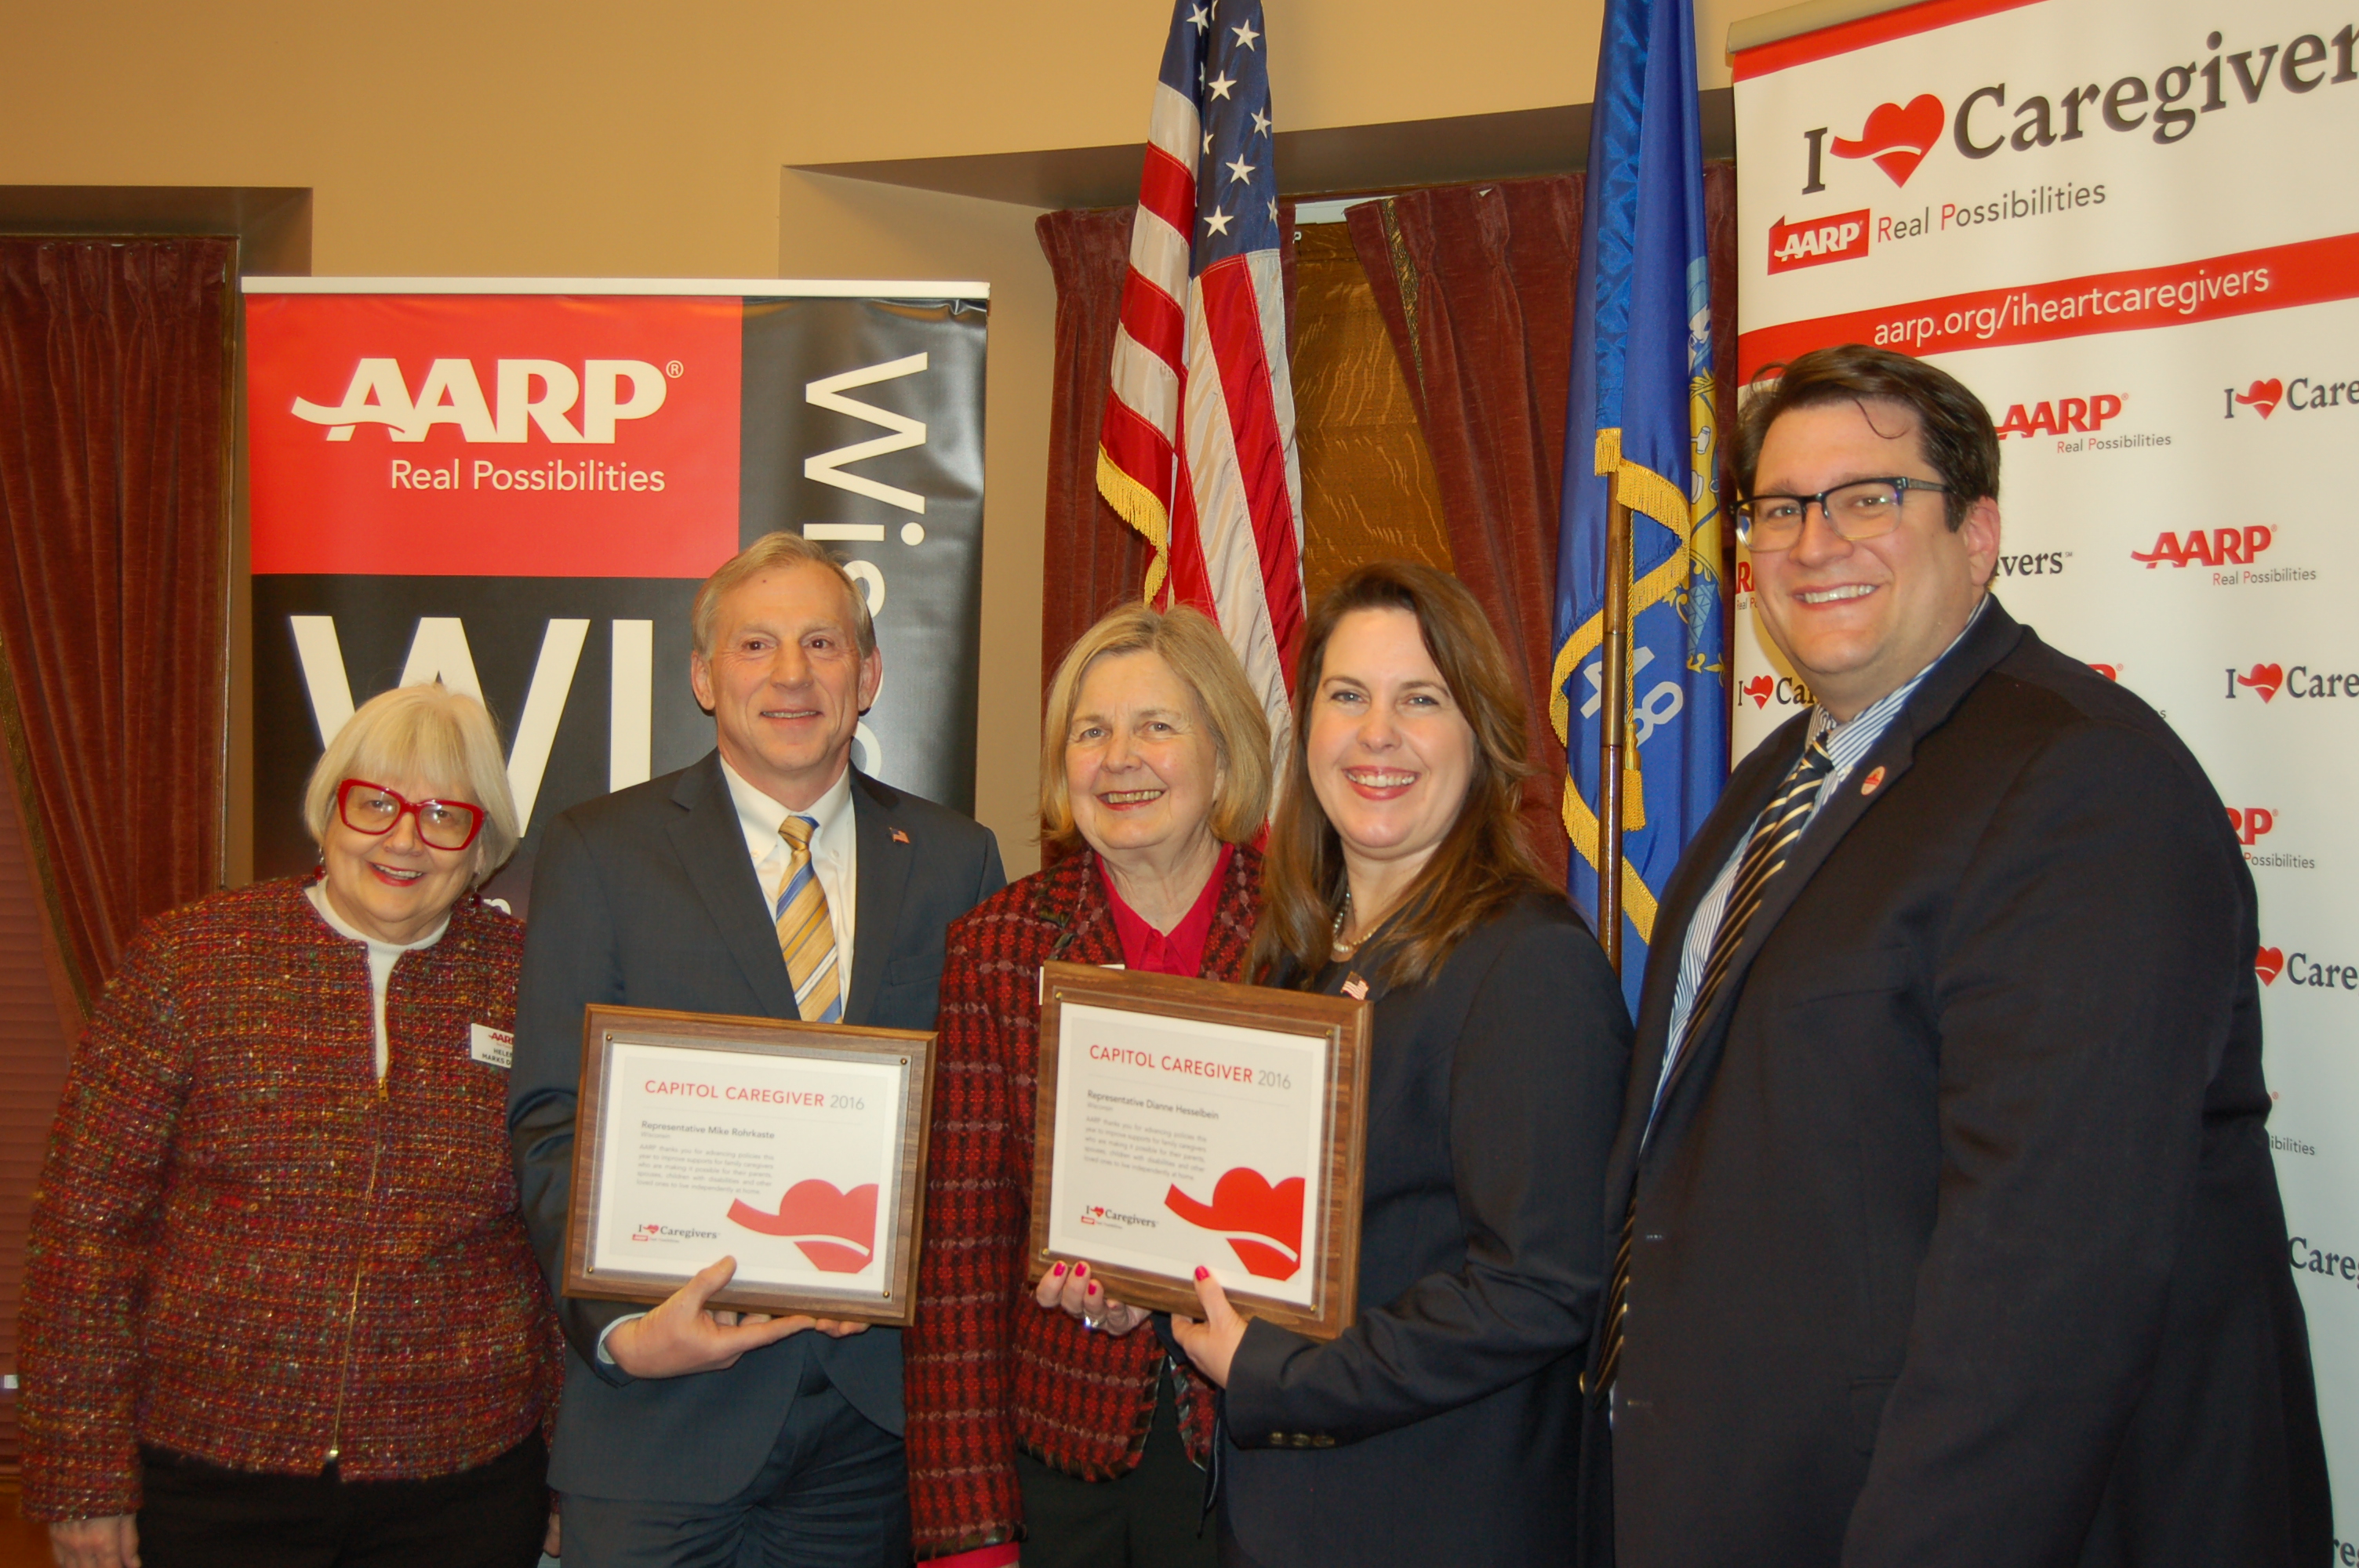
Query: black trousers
point(198, 1515)
point(1152, 1518)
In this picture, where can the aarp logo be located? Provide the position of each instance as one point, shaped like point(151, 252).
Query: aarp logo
point(2212, 547)
point(2061, 416)
point(1817, 240)
point(527, 395)
point(2251, 823)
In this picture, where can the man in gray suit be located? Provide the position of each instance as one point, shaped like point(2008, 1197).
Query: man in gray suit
point(771, 879)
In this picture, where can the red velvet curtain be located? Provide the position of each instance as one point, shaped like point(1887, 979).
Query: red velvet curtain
point(114, 422)
point(1477, 286)
point(1093, 561)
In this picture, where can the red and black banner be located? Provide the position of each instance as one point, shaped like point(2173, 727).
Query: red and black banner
point(517, 489)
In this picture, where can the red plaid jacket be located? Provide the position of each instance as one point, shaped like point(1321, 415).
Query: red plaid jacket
point(244, 1249)
point(985, 1369)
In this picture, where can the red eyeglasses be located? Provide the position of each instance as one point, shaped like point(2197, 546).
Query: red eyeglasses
point(373, 809)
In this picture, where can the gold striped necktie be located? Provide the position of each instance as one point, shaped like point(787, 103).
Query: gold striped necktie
point(1781, 822)
point(806, 931)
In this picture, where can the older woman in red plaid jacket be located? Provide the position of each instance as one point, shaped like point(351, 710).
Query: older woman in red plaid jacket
point(1078, 1433)
point(280, 1306)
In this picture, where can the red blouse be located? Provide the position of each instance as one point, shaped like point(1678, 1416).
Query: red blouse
point(1180, 951)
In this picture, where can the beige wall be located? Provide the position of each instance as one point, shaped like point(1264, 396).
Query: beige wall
point(598, 138)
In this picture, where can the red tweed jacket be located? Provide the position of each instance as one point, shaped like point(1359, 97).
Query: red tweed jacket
point(246, 1251)
point(984, 1368)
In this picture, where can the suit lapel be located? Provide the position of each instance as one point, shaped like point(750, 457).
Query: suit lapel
point(1080, 907)
point(711, 845)
point(1994, 636)
point(884, 881)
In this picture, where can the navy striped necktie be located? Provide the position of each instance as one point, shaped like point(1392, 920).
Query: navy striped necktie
point(1781, 822)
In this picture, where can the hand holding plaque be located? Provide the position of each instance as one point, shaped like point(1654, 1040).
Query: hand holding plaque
point(1185, 1123)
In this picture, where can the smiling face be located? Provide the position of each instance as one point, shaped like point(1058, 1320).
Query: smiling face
point(1140, 764)
point(1858, 618)
point(395, 886)
point(786, 682)
point(1390, 755)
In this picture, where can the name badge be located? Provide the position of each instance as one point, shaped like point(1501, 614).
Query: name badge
point(492, 1047)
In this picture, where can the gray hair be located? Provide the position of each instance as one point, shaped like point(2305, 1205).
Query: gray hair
point(426, 732)
point(773, 552)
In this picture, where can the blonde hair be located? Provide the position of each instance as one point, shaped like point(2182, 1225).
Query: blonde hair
point(774, 552)
point(426, 732)
point(1197, 653)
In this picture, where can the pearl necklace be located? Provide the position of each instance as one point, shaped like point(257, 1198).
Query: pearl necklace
point(1336, 946)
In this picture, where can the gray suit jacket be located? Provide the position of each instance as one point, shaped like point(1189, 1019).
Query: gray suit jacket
point(647, 898)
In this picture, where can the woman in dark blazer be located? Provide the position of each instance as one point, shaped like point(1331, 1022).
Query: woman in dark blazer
point(1439, 1427)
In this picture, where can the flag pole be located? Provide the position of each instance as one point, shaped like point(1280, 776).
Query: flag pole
point(1614, 721)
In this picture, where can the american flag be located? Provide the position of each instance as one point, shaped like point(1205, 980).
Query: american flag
point(1202, 350)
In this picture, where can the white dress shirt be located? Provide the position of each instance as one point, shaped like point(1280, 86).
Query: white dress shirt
point(835, 855)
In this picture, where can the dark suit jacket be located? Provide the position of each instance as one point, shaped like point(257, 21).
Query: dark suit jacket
point(647, 898)
point(1958, 1237)
point(1439, 1429)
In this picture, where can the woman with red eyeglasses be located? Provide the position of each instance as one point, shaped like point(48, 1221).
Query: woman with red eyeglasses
point(280, 1306)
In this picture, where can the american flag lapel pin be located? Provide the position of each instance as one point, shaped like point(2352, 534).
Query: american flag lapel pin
point(900, 837)
point(1355, 988)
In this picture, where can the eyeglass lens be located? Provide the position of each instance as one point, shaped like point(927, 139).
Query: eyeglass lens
point(445, 825)
point(1860, 511)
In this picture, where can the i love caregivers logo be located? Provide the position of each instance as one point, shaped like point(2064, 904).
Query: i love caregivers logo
point(2270, 680)
point(1261, 1223)
point(2299, 969)
point(2165, 102)
point(1784, 690)
point(2302, 395)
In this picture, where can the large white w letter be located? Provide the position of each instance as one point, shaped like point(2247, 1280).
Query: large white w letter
point(828, 467)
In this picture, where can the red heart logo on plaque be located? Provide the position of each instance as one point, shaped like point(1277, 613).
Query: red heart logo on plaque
point(2265, 679)
point(1262, 1224)
point(1897, 138)
point(2264, 395)
point(2269, 962)
point(837, 1231)
point(1758, 688)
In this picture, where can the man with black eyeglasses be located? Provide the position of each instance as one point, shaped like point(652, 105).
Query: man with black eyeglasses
point(1944, 1222)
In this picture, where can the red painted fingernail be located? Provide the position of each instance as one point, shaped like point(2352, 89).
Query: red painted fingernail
point(1093, 1288)
point(1202, 1273)
point(1080, 1269)
point(1059, 1272)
